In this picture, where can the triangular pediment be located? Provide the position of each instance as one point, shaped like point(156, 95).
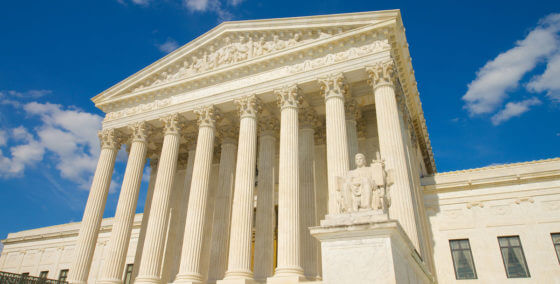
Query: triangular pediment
point(233, 43)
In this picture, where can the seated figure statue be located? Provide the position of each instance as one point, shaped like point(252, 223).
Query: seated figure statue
point(364, 188)
point(358, 187)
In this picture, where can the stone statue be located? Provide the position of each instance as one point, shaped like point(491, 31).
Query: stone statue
point(364, 188)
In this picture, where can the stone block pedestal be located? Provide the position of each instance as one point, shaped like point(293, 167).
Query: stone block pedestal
point(368, 247)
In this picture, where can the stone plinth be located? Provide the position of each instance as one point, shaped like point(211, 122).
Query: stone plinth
point(368, 247)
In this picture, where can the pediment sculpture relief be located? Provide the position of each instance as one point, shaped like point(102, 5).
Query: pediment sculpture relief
point(365, 188)
point(232, 49)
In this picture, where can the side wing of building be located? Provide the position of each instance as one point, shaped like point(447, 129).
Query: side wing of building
point(506, 215)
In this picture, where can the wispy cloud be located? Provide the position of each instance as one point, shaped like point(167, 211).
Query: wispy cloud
point(497, 77)
point(215, 6)
point(137, 2)
point(168, 46)
point(513, 109)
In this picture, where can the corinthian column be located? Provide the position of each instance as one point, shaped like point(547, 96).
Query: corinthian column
point(334, 89)
point(154, 243)
point(146, 214)
point(222, 214)
point(351, 113)
point(264, 227)
point(289, 268)
point(239, 259)
point(93, 214)
point(308, 120)
point(392, 147)
point(113, 265)
point(190, 269)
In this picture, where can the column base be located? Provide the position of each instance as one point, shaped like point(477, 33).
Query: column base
point(188, 279)
point(147, 280)
point(376, 251)
point(109, 281)
point(237, 281)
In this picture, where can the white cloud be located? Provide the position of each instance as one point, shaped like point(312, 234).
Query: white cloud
point(549, 81)
point(514, 109)
point(196, 5)
point(31, 94)
point(502, 74)
point(146, 174)
point(3, 138)
point(70, 135)
point(168, 46)
point(211, 6)
point(137, 2)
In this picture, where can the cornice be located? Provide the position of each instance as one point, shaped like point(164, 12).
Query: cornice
point(60, 231)
point(498, 175)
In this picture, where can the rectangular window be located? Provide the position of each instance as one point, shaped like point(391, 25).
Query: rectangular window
point(513, 257)
point(128, 274)
point(63, 275)
point(43, 274)
point(462, 259)
point(556, 242)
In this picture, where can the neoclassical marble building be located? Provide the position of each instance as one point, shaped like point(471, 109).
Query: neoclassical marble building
point(292, 150)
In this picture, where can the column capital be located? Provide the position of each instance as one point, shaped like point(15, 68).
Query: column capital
point(208, 116)
point(320, 136)
point(381, 74)
point(351, 109)
point(333, 86)
point(190, 139)
point(308, 118)
point(289, 97)
point(172, 124)
point(110, 139)
point(228, 134)
point(182, 161)
point(248, 106)
point(268, 126)
point(140, 131)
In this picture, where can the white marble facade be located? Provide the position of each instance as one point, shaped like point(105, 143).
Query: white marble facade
point(252, 131)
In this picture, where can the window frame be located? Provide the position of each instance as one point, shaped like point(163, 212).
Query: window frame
point(555, 245)
point(511, 247)
point(65, 271)
point(44, 274)
point(451, 250)
point(126, 272)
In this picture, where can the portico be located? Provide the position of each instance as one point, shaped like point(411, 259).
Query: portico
point(264, 109)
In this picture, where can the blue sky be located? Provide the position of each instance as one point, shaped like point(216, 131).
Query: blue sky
point(488, 73)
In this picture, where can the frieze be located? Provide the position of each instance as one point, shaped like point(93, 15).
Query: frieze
point(307, 65)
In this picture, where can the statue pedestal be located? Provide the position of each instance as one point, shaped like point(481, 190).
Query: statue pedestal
point(368, 247)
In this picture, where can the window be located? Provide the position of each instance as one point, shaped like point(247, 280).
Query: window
point(513, 257)
point(556, 242)
point(128, 274)
point(63, 275)
point(43, 274)
point(462, 259)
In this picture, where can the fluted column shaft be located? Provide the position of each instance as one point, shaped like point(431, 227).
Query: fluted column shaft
point(264, 227)
point(351, 131)
point(93, 213)
point(392, 147)
point(307, 195)
point(113, 265)
point(154, 244)
point(321, 191)
point(222, 214)
point(145, 217)
point(334, 89)
point(190, 268)
point(289, 264)
point(239, 258)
